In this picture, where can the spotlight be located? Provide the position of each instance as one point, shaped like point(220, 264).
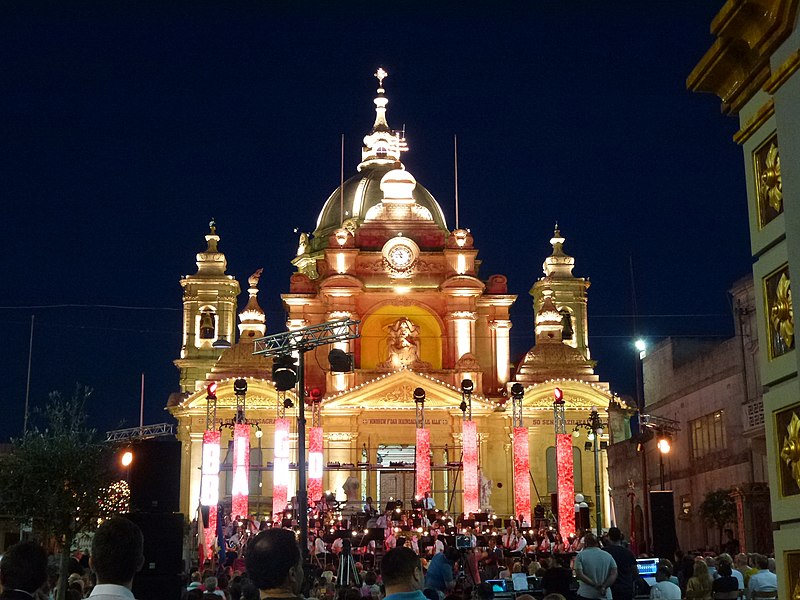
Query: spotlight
point(419, 395)
point(287, 403)
point(240, 386)
point(517, 391)
point(127, 458)
point(467, 386)
point(664, 445)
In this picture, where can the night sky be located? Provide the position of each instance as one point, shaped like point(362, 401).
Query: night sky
point(127, 126)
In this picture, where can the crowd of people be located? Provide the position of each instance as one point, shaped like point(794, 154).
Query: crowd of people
point(269, 564)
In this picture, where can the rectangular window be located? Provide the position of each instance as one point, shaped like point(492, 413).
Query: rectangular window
point(708, 434)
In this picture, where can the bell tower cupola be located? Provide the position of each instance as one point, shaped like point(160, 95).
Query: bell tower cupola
point(567, 293)
point(209, 314)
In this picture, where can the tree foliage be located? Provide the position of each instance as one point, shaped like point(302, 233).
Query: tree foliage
point(718, 510)
point(53, 476)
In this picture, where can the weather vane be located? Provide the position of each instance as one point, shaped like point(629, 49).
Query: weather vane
point(381, 75)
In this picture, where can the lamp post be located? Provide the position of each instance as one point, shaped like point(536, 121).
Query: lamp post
point(664, 446)
point(641, 352)
point(301, 341)
point(594, 425)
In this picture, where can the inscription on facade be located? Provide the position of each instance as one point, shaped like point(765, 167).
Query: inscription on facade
point(402, 421)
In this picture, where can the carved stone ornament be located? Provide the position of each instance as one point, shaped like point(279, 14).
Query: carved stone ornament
point(769, 185)
point(778, 293)
point(403, 345)
point(402, 394)
point(770, 180)
point(790, 450)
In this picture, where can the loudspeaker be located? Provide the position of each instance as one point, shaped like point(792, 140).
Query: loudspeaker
point(583, 519)
point(205, 514)
point(157, 587)
point(662, 516)
point(163, 542)
point(155, 476)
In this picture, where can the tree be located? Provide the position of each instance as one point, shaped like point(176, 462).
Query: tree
point(53, 477)
point(717, 510)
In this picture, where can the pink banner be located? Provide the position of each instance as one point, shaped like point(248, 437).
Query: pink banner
point(522, 486)
point(469, 441)
point(423, 457)
point(209, 485)
point(240, 490)
point(314, 465)
point(566, 485)
point(280, 472)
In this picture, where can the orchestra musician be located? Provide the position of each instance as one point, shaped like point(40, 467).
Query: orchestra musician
point(510, 538)
point(369, 507)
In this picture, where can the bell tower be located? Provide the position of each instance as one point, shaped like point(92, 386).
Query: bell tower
point(568, 294)
point(209, 314)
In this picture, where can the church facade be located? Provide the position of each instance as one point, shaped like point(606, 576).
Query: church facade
point(382, 254)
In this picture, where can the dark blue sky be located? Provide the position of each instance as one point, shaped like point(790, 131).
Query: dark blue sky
point(126, 126)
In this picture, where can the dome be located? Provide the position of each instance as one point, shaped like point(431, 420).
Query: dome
point(362, 192)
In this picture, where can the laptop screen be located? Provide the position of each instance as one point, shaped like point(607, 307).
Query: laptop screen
point(647, 569)
point(498, 585)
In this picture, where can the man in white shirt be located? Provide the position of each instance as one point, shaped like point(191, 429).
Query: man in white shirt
point(427, 502)
point(595, 569)
point(519, 547)
point(762, 580)
point(117, 555)
point(509, 539)
point(664, 588)
point(437, 546)
point(336, 546)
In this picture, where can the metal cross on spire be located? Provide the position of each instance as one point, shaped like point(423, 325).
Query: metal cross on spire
point(381, 75)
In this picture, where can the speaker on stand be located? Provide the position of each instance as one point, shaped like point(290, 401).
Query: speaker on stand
point(662, 517)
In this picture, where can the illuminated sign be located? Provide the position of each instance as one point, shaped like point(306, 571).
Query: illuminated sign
point(209, 478)
point(241, 469)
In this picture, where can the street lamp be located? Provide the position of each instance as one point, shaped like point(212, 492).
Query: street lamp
point(594, 426)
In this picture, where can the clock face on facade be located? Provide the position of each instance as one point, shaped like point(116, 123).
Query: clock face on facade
point(400, 255)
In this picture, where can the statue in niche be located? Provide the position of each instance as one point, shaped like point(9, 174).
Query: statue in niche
point(566, 324)
point(484, 493)
point(403, 342)
point(207, 325)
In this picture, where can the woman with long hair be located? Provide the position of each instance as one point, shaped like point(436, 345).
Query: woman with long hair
point(699, 585)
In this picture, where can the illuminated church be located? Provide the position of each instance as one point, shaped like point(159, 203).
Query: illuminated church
point(382, 254)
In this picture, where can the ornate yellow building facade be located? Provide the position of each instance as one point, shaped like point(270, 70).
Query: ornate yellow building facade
point(382, 254)
point(753, 67)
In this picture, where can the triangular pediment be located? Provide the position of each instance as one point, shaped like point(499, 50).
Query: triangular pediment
point(395, 391)
point(578, 395)
point(261, 394)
